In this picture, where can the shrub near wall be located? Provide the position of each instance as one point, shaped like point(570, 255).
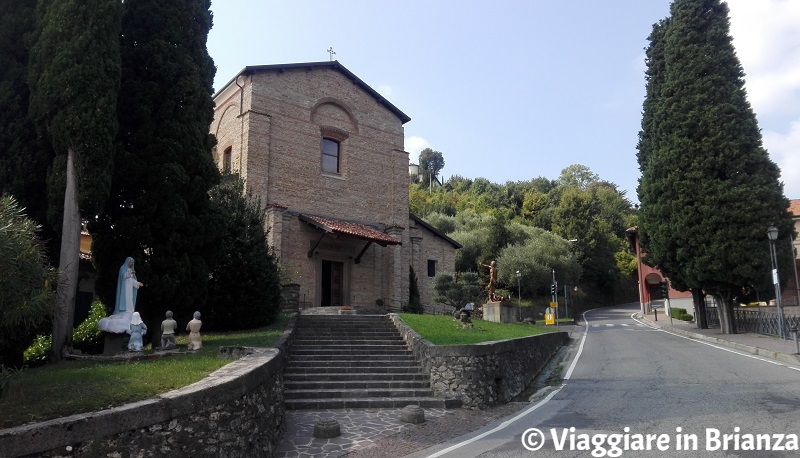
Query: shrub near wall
point(487, 374)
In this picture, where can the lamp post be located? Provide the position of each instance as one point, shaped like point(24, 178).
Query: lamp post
point(772, 233)
point(519, 296)
point(794, 264)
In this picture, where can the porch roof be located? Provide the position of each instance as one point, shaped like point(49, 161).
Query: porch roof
point(361, 231)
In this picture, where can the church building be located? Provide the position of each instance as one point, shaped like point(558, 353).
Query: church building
point(324, 153)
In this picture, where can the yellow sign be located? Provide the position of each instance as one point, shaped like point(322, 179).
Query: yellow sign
point(554, 304)
point(549, 318)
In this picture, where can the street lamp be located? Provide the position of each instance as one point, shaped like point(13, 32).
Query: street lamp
point(794, 264)
point(772, 233)
point(519, 296)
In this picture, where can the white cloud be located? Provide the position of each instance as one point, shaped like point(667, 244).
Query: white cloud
point(414, 145)
point(385, 90)
point(784, 149)
point(768, 46)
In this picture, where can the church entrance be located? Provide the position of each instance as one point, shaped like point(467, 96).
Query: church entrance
point(332, 278)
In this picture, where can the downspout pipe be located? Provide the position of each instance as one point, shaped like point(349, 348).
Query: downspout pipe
point(241, 118)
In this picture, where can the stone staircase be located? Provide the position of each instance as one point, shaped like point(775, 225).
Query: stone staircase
point(354, 362)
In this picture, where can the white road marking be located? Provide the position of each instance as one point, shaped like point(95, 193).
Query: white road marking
point(729, 350)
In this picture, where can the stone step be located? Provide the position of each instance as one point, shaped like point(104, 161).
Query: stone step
point(369, 333)
point(372, 403)
point(343, 317)
point(356, 384)
point(358, 393)
point(344, 377)
point(350, 359)
point(298, 363)
point(385, 326)
point(312, 369)
point(353, 361)
point(343, 344)
point(353, 353)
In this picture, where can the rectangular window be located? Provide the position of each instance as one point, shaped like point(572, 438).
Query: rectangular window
point(226, 160)
point(431, 268)
point(330, 155)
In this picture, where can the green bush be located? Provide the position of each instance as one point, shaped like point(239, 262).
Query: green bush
point(685, 317)
point(26, 297)
point(677, 312)
point(36, 354)
point(86, 338)
point(504, 292)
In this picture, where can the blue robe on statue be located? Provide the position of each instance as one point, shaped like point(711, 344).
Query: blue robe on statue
point(127, 287)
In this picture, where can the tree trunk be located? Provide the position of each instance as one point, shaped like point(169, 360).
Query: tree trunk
point(699, 300)
point(727, 323)
point(64, 314)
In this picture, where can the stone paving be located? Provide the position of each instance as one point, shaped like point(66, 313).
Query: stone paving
point(379, 432)
point(359, 427)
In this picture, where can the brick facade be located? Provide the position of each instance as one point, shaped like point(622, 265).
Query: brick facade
point(273, 119)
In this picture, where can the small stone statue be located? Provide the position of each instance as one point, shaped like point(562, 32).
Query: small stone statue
point(194, 332)
point(137, 330)
point(168, 327)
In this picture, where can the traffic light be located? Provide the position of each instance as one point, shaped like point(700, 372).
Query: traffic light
point(664, 289)
point(552, 290)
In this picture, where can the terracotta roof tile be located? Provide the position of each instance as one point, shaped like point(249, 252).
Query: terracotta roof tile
point(794, 207)
point(355, 229)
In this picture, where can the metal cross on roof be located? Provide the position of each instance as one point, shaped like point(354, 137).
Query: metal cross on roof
point(331, 52)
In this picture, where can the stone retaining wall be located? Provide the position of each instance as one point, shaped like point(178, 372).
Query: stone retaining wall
point(486, 374)
point(290, 297)
point(235, 411)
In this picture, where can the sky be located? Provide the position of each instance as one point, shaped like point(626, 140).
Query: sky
point(511, 90)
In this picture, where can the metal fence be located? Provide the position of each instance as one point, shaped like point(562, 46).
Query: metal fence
point(757, 321)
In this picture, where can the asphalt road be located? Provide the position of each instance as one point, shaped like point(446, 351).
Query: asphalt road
point(639, 388)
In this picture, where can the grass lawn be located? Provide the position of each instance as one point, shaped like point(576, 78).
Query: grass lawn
point(443, 330)
point(70, 387)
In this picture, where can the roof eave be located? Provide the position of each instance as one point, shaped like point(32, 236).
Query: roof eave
point(250, 69)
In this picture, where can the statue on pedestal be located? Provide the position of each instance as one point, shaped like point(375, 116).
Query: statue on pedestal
point(125, 304)
point(490, 288)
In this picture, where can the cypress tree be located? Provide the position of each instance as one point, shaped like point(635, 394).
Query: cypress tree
point(708, 189)
point(159, 210)
point(414, 302)
point(23, 159)
point(74, 80)
point(244, 290)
